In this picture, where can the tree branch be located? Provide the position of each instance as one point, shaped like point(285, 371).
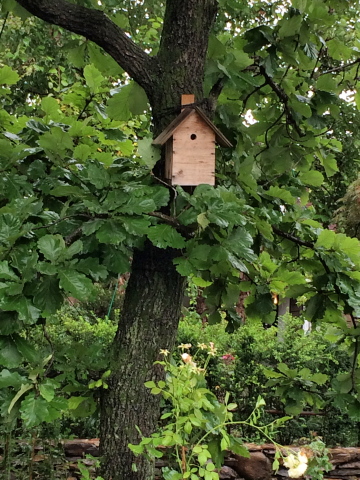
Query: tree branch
point(341, 68)
point(283, 97)
point(4, 24)
point(293, 238)
point(97, 27)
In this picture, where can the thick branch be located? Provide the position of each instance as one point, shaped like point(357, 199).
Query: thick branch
point(97, 27)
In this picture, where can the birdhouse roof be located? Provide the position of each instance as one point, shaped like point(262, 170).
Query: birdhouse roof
point(177, 122)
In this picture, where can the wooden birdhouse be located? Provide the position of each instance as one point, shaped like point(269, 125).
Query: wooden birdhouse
point(190, 141)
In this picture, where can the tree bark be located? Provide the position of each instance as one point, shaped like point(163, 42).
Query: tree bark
point(148, 322)
point(154, 295)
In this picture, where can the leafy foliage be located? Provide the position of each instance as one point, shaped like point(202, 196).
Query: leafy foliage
point(77, 195)
point(310, 368)
point(196, 426)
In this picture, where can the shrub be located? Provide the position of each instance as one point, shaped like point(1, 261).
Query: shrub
point(248, 354)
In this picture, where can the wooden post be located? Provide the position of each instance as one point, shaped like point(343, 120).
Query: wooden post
point(186, 99)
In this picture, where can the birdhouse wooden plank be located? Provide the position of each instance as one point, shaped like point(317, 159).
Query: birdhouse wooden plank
point(189, 142)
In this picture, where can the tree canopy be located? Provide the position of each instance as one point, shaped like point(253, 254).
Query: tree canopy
point(82, 189)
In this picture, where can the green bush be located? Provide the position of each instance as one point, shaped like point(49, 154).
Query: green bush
point(247, 355)
point(80, 343)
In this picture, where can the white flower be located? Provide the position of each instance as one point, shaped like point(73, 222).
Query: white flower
point(164, 352)
point(290, 461)
point(298, 471)
point(297, 465)
point(212, 350)
point(186, 358)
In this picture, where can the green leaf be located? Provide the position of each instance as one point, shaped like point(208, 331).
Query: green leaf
point(354, 411)
point(97, 174)
point(347, 245)
point(271, 373)
point(56, 142)
point(200, 282)
point(74, 402)
point(111, 232)
point(93, 78)
point(135, 226)
point(150, 384)
point(6, 273)
point(131, 99)
point(76, 284)
point(137, 206)
point(137, 449)
point(282, 194)
point(326, 239)
point(301, 107)
point(90, 266)
point(8, 76)
point(9, 228)
point(148, 152)
point(74, 249)
point(236, 446)
point(116, 260)
point(34, 411)
point(312, 177)
point(47, 392)
point(202, 457)
point(319, 378)
point(155, 391)
point(292, 277)
point(52, 247)
point(47, 295)
point(338, 50)
point(23, 389)
point(82, 152)
point(51, 107)
point(11, 379)
point(239, 242)
point(27, 350)
point(315, 308)
point(163, 236)
point(330, 165)
point(290, 26)
point(202, 220)
point(327, 83)
point(9, 354)
point(27, 311)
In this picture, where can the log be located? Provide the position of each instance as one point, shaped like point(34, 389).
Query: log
point(345, 461)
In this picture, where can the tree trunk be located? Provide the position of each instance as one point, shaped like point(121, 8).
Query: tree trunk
point(155, 291)
point(148, 322)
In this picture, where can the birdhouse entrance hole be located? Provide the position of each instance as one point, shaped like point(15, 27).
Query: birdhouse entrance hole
point(193, 136)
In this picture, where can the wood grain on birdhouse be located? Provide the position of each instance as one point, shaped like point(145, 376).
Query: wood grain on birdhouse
point(193, 159)
point(189, 142)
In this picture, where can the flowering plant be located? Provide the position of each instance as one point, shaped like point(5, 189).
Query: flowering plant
point(196, 434)
point(297, 464)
